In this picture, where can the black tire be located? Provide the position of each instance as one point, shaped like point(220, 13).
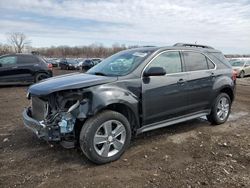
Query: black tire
point(40, 76)
point(89, 130)
point(213, 116)
point(242, 74)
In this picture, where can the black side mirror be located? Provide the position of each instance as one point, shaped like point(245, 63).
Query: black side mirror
point(154, 71)
point(1, 65)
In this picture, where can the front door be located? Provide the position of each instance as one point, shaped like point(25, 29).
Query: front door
point(164, 97)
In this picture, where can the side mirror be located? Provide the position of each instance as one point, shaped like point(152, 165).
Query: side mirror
point(1, 65)
point(154, 71)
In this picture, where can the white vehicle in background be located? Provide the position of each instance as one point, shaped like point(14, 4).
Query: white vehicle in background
point(241, 66)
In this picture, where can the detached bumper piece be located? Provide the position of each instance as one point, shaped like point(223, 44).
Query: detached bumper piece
point(46, 132)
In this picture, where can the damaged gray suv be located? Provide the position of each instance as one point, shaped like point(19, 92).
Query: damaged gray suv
point(129, 93)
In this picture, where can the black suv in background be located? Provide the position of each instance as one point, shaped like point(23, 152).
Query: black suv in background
point(23, 68)
point(89, 63)
point(129, 93)
point(68, 64)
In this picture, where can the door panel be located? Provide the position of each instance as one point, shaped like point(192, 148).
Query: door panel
point(164, 97)
point(199, 90)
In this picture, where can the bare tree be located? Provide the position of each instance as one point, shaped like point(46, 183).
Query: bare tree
point(18, 41)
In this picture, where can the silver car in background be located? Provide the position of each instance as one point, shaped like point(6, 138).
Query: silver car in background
point(241, 66)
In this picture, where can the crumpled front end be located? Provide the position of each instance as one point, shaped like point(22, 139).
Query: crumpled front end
point(54, 117)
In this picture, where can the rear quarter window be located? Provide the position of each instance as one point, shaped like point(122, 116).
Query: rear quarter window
point(220, 60)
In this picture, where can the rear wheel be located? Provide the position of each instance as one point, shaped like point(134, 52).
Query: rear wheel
point(105, 137)
point(220, 109)
point(40, 76)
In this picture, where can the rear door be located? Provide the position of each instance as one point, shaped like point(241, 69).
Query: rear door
point(164, 97)
point(8, 66)
point(201, 76)
point(27, 64)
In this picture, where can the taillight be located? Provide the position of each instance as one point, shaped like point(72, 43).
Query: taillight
point(234, 75)
point(50, 66)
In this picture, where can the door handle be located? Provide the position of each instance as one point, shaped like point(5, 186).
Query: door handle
point(181, 81)
point(15, 67)
point(212, 74)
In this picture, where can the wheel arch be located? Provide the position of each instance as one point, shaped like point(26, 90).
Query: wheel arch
point(125, 110)
point(228, 91)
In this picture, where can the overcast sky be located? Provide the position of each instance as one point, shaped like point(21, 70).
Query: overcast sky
point(224, 24)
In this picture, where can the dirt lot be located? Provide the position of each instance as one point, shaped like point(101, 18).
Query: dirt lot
point(192, 154)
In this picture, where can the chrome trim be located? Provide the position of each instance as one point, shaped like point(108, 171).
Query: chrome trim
point(215, 66)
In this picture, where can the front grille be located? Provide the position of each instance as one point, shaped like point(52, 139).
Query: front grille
point(39, 108)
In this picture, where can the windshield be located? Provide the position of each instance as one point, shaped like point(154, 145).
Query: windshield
point(120, 64)
point(236, 63)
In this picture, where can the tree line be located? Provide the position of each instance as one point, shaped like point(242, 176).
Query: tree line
point(19, 42)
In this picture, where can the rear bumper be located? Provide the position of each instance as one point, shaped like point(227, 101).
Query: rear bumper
point(43, 131)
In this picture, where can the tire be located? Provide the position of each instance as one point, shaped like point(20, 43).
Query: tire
point(96, 141)
point(242, 74)
point(40, 76)
point(220, 110)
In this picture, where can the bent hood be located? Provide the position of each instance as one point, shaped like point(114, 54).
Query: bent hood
point(68, 81)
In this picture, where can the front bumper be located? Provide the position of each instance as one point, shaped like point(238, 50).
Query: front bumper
point(46, 132)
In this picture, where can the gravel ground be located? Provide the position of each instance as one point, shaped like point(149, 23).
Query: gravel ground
point(191, 154)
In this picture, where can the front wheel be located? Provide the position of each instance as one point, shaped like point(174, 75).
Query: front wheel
point(220, 110)
point(105, 137)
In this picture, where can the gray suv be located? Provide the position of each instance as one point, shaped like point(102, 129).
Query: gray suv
point(131, 92)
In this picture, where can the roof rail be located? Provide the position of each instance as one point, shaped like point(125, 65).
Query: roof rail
point(192, 45)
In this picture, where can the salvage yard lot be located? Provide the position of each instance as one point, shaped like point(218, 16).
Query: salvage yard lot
point(191, 154)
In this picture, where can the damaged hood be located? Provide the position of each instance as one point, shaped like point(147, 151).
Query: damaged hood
point(68, 81)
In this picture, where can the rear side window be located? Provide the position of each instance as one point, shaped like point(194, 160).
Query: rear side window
point(170, 61)
point(27, 60)
point(210, 64)
point(220, 60)
point(195, 61)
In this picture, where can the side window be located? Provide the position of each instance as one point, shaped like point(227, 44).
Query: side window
point(195, 61)
point(26, 59)
point(8, 61)
point(210, 64)
point(170, 61)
